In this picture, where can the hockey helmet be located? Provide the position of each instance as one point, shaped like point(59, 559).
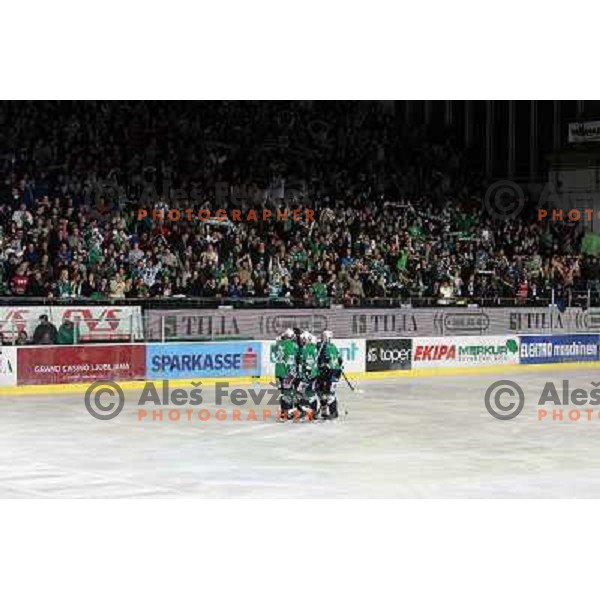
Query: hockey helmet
point(305, 337)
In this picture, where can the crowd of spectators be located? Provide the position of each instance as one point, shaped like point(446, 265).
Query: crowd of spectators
point(398, 214)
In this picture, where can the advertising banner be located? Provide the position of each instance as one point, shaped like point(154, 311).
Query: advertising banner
point(8, 366)
point(72, 364)
point(539, 349)
point(93, 323)
point(464, 351)
point(453, 321)
point(584, 132)
point(351, 351)
point(389, 355)
point(186, 361)
point(203, 325)
point(374, 324)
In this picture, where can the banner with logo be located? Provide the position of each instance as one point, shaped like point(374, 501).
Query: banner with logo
point(374, 324)
point(93, 323)
point(351, 351)
point(539, 349)
point(584, 132)
point(389, 355)
point(465, 351)
point(187, 361)
point(451, 321)
point(8, 366)
point(72, 364)
point(353, 354)
point(207, 325)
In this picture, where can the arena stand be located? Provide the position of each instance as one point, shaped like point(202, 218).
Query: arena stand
point(121, 342)
point(401, 247)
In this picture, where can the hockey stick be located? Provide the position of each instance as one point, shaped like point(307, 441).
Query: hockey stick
point(343, 408)
point(354, 387)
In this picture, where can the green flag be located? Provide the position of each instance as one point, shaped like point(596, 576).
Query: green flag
point(591, 244)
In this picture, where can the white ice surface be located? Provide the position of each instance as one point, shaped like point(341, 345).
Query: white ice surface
point(415, 438)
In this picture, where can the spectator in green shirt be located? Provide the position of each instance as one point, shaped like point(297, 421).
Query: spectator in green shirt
point(319, 291)
point(66, 332)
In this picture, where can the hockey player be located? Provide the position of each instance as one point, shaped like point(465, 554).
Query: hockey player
point(330, 366)
point(307, 375)
point(276, 356)
point(284, 354)
point(297, 334)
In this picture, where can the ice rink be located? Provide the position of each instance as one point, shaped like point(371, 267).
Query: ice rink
point(402, 438)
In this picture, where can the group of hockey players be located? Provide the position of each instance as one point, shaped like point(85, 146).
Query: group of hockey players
point(307, 372)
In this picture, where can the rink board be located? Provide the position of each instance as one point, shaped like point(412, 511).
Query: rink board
point(363, 376)
point(71, 368)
